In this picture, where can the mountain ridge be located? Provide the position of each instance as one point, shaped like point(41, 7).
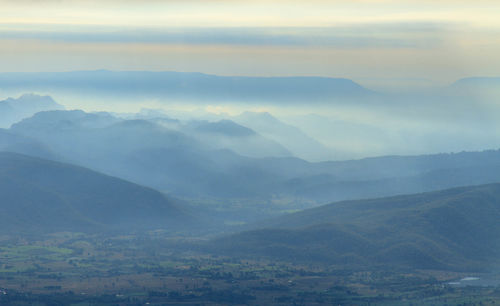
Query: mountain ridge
point(13, 110)
point(46, 196)
point(449, 229)
point(186, 85)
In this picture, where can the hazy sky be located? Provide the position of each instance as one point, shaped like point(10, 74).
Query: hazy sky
point(436, 40)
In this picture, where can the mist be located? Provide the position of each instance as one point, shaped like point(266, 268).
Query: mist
point(355, 122)
point(249, 153)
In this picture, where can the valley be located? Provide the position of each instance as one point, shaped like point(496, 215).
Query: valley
point(213, 153)
point(141, 208)
point(71, 268)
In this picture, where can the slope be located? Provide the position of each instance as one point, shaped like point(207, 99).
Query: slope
point(20, 144)
point(451, 229)
point(226, 134)
point(300, 144)
point(45, 196)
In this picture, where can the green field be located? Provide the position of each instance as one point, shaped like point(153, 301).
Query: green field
point(75, 269)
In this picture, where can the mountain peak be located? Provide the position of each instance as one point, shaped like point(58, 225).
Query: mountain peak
point(258, 115)
point(33, 99)
point(14, 110)
point(225, 127)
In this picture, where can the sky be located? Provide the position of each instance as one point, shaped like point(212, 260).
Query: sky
point(419, 42)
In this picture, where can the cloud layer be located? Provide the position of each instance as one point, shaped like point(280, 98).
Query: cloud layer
point(442, 41)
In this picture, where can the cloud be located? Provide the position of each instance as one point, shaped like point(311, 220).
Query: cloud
point(245, 13)
point(366, 36)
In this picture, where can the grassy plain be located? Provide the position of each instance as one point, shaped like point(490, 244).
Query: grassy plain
point(77, 269)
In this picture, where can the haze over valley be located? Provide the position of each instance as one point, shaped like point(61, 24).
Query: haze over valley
point(249, 153)
point(248, 183)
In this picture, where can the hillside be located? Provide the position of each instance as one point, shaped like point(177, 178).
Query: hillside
point(226, 134)
point(451, 229)
point(302, 145)
point(25, 145)
point(45, 196)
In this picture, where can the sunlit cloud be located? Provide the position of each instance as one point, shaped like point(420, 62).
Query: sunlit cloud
point(247, 13)
point(384, 36)
point(440, 40)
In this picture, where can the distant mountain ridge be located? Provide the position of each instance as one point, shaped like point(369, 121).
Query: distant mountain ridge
point(302, 145)
point(225, 127)
point(477, 81)
point(173, 159)
point(477, 86)
point(191, 86)
point(13, 110)
point(227, 134)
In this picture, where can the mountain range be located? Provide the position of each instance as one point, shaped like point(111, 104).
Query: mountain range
point(201, 158)
point(453, 229)
point(187, 86)
point(79, 171)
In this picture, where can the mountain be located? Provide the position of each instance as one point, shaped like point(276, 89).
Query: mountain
point(477, 82)
point(450, 229)
point(41, 196)
point(226, 134)
point(13, 110)
point(140, 151)
point(378, 176)
point(185, 160)
point(188, 86)
point(16, 143)
point(66, 120)
point(345, 136)
point(485, 87)
point(200, 159)
point(291, 137)
point(227, 128)
point(386, 176)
